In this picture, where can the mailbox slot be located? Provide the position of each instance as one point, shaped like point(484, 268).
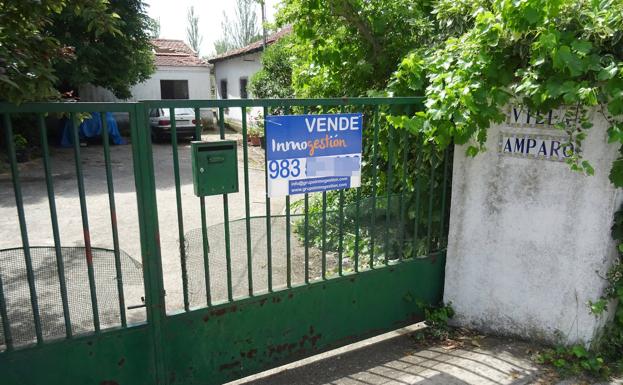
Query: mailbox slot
point(215, 167)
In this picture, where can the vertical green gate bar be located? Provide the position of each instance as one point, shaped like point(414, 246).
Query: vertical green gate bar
point(375, 156)
point(113, 221)
point(230, 295)
point(19, 203)
point(429, 236)
point(404, 188)
point(178, 198)
point(306, 236)
point(324, 235)
point(4, 316)
point(286, 110)
point(206, 257)
point(85, 221)
point(145, 182)
point(269, 257)
point(389, 191)
point(357, 235)
point(60, 263)
point(340, 246)
point(442, 223)
point(204, 235)
point(416, 234)
point(247, 199)
point(324, 224)
point(306, 224)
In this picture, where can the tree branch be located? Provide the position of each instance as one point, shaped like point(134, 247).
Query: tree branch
point(346, 10)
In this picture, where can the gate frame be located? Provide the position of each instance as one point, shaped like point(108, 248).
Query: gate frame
point(157, 364)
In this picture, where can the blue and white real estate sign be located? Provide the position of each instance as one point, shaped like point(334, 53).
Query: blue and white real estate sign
point(313, 153)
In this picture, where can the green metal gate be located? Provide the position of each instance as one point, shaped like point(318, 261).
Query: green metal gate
point(353, 263)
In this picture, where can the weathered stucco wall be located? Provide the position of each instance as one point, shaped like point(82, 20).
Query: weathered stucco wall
point(528, 237)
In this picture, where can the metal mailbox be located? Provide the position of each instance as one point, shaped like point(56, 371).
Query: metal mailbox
point(215, 167)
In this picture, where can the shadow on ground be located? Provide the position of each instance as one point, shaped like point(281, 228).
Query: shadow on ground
point(398, 361)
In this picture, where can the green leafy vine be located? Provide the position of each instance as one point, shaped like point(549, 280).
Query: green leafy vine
point(542, 54)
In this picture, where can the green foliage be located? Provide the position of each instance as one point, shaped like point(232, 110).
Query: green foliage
point(436, 319)
point(575, 360)
point(350, 47)
point(58, 42)
point(543, 54)
point(274, 80)
point(403, 219)
point(28, 53)
point(256, 126)
point(115, 60)
point(469, 58)
point(20, 142)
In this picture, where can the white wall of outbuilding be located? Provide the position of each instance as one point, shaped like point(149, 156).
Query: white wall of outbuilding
point(198, 85)
point(232, 70)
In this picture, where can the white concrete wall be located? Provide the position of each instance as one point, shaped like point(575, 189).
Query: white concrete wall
point(198, 82)
point(528, 236)
point(198, 88)
point(198, 85)
point(233, 69)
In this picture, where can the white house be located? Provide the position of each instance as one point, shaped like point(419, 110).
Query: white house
point(180, 74)
point(234, 69)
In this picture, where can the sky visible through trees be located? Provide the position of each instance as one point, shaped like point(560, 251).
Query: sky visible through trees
point(173, 22)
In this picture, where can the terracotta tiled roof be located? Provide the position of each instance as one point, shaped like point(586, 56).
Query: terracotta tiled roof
point(176, 53)
point(253, 47)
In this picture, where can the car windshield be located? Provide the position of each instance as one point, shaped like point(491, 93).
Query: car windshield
point(179, 111)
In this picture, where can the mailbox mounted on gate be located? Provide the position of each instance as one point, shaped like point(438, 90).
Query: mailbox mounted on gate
point(215, 167)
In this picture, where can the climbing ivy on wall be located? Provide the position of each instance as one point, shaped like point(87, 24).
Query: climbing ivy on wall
point(543, 54)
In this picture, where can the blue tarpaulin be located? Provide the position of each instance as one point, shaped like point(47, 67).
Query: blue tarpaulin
point(91, 128)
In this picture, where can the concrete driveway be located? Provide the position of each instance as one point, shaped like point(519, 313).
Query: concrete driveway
point(69, 218)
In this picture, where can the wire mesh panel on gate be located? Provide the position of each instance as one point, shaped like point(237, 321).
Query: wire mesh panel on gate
point(46, 277)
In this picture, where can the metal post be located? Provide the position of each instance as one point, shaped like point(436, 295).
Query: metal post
point(149, 234)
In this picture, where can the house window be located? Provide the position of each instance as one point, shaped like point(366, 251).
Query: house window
point(243, 88)
point(174, 89)
point(223, 88)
